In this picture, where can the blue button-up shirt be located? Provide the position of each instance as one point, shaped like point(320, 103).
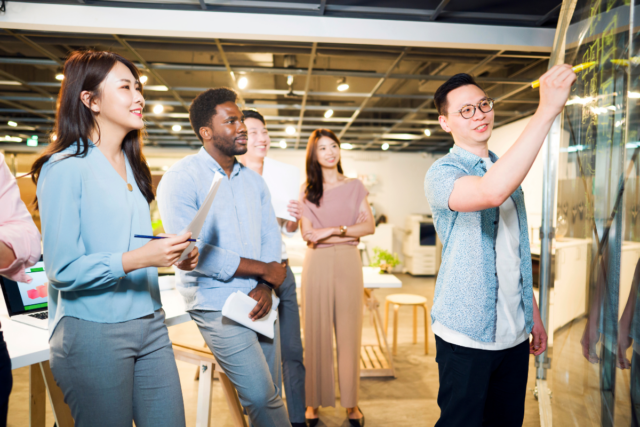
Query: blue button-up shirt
point(88, 219)
point(467, 285)
point(240, 224)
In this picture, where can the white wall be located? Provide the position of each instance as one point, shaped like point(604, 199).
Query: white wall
point(501, 140)
point(399, 177)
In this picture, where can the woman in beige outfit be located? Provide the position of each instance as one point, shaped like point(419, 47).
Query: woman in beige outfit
point(335, 215)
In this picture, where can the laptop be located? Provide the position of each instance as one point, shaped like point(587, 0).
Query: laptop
point(28, 302)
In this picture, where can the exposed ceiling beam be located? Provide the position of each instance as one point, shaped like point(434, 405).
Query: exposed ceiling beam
point(438, 10)
point(513, 92)
point(520, 71)
point(407, 117)
point(548, 15)
point(484, 62)
point(276, 70)
point(229, 70)
point(27, 85)
point(306, 92)
point(373, 92)
point(36, 46)
point(26, 109)
point(155, 75)
point(279, 27)
point(323, 6)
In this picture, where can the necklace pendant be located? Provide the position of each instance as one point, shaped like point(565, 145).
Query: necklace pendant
point(129, 187)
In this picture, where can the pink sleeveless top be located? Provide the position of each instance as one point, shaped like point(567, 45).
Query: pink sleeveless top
point(338, 206)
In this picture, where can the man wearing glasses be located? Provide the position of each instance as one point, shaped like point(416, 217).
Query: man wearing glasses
point(484, 309)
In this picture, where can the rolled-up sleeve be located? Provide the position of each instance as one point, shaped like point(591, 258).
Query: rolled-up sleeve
point(177, 202)
point(68, 266)
point(17, 229)
point(271, 246)
point(439, 183)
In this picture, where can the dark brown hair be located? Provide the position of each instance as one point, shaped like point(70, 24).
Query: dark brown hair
point(454, 82)
point(75, 121)
point(314, 190)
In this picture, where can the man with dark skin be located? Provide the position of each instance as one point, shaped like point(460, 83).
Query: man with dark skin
point(240, 247)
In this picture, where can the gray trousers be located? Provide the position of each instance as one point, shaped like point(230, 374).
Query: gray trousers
point(114, 373)
point(291, 346)
point(252, 363)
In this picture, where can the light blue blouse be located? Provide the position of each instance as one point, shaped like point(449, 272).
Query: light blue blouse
point(88, 219)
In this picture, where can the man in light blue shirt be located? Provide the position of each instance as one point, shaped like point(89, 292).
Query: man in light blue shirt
point(484, 310)
point(240, 250)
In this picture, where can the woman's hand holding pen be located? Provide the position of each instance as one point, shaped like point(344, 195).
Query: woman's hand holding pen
point(158, 253)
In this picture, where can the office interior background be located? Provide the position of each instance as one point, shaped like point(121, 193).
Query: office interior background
point(368, 71)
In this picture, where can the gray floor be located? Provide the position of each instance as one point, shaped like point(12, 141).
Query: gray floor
point(409, 400)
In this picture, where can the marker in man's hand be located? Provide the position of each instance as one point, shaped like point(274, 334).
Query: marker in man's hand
point(575, 70)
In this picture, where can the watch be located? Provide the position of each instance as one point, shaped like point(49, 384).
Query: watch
point(343, 230)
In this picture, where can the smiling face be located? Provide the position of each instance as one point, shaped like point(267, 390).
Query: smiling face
point(328, 153)
point(228, 130)
point(467, 132)
point(120, 102)
point(259, 141)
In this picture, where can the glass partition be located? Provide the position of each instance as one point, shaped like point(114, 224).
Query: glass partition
point(593, 371)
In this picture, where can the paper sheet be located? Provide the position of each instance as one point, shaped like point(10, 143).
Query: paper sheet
point(239, 305)
point(198, 221)
point(283, 181)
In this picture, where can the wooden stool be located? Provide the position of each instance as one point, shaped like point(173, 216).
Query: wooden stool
point(207, 365)
point(406, 299)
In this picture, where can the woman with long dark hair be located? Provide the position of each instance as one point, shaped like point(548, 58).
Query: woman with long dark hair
point(335, 215)
point(110, 350)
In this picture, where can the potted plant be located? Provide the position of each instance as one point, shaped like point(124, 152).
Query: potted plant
point(385, 260)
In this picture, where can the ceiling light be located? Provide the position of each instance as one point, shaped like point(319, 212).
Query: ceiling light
point(54, 137)
point(12, 123)
point(283, 144)
point(346, 146)
point(143, 79)
point(60, 77)
point(158, 108)
point(11, 138)
point(176, 128)
point(385, 146)
point(165, 167)
point(427, 132)
point(342, 84)
point(290, 130)
point(9, 83)
point(157, 88)
point(328, 114)
point(289, 80)
point(243, 82)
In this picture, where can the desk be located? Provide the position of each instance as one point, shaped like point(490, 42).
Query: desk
point(29, 346)
point(375, 361)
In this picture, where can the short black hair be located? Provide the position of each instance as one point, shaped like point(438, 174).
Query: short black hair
point(454, 82)
point(203, 108)
point(253, 114)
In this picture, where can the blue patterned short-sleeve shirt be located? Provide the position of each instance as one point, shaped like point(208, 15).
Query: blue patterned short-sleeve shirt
point(467, 285)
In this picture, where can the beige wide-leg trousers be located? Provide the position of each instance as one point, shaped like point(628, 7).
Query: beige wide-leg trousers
point(332, 293)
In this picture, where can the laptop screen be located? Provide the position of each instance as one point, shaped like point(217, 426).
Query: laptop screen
point(27, 297)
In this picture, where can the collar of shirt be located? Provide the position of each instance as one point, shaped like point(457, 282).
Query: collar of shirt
point(469, 159)
point(215, 166)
